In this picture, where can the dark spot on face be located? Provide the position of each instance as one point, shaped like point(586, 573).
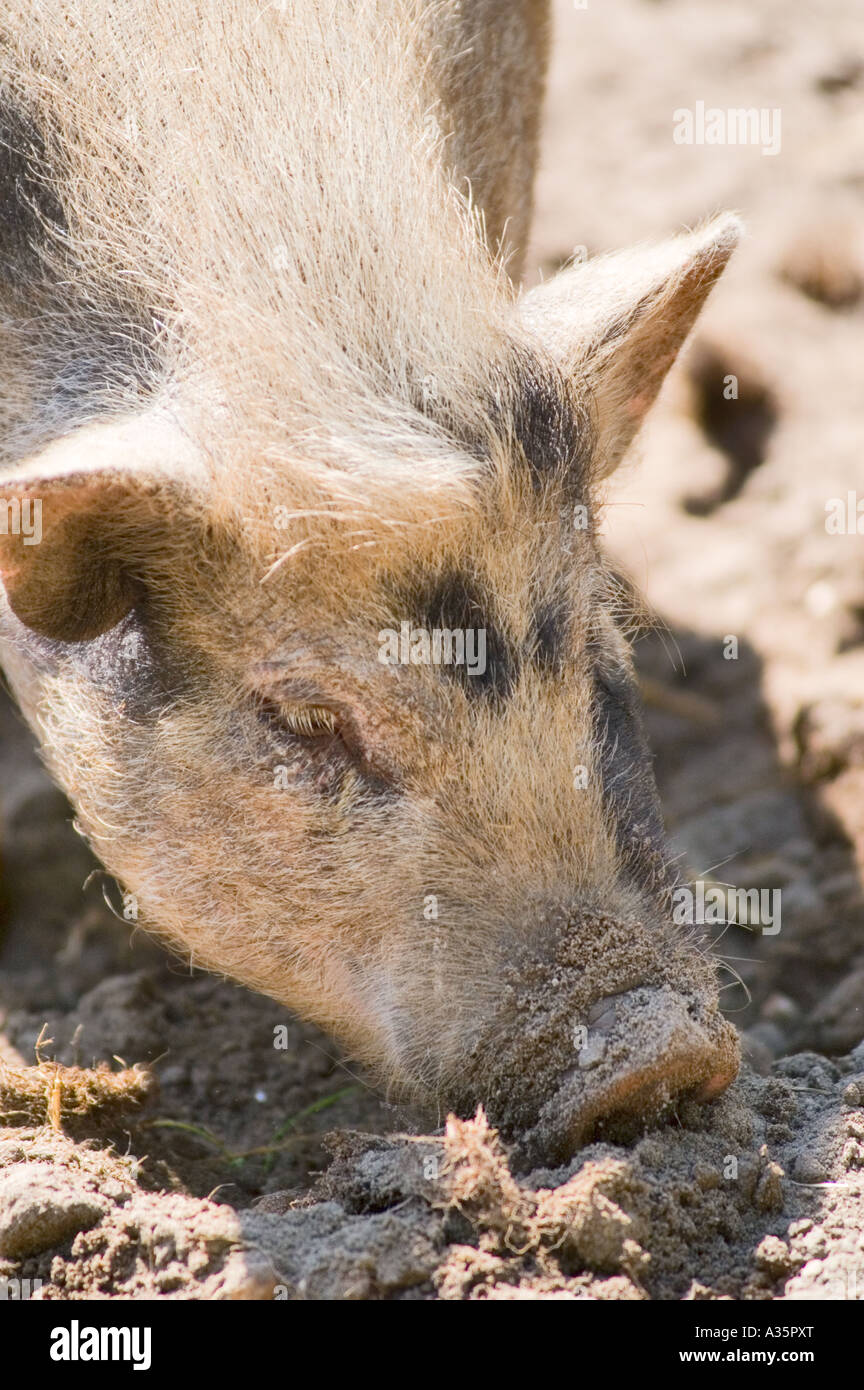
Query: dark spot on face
point(552, 436)
point(457, 603)
point(551, 635)
point(629, 788)
point(528, 412)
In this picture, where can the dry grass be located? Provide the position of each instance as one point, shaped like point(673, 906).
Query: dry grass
point(50, 1093)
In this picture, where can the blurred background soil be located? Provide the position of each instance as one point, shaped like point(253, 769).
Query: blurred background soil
point(216, 1179)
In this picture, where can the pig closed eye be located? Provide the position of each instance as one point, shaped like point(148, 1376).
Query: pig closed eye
point(328, 738)
point(312, 724)
point(325, 743)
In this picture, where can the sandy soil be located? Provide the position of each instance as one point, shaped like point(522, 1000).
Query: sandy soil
point(237, 1168)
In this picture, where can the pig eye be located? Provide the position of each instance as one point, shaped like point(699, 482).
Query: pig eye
point(310, 721)
point(303, 721)
point(326, 736)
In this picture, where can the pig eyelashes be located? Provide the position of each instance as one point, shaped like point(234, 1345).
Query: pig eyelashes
point(312, 723)
point(318, 729)
point(309, 721)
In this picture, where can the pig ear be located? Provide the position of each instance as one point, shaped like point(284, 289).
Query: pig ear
point(617, 323)
point(78, 519)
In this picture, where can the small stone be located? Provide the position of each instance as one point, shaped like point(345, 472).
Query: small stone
point(814, 1245)
point(769, 1189)
point(277, 1203)
point(773, 1256)
point(809, 1167)
point(248, 1276)
point(39, 1210)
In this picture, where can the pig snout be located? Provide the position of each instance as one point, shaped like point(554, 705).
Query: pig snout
point(645, 1049)
point(571, 1060)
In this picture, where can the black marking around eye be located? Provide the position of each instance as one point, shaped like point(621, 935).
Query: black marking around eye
point(456, 602)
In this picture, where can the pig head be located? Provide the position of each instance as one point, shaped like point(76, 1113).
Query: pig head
point(228, 652)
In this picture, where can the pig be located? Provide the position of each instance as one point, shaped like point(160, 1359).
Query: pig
point(277, 420)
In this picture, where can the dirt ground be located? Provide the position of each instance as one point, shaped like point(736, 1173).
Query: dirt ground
point(247, 1161)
